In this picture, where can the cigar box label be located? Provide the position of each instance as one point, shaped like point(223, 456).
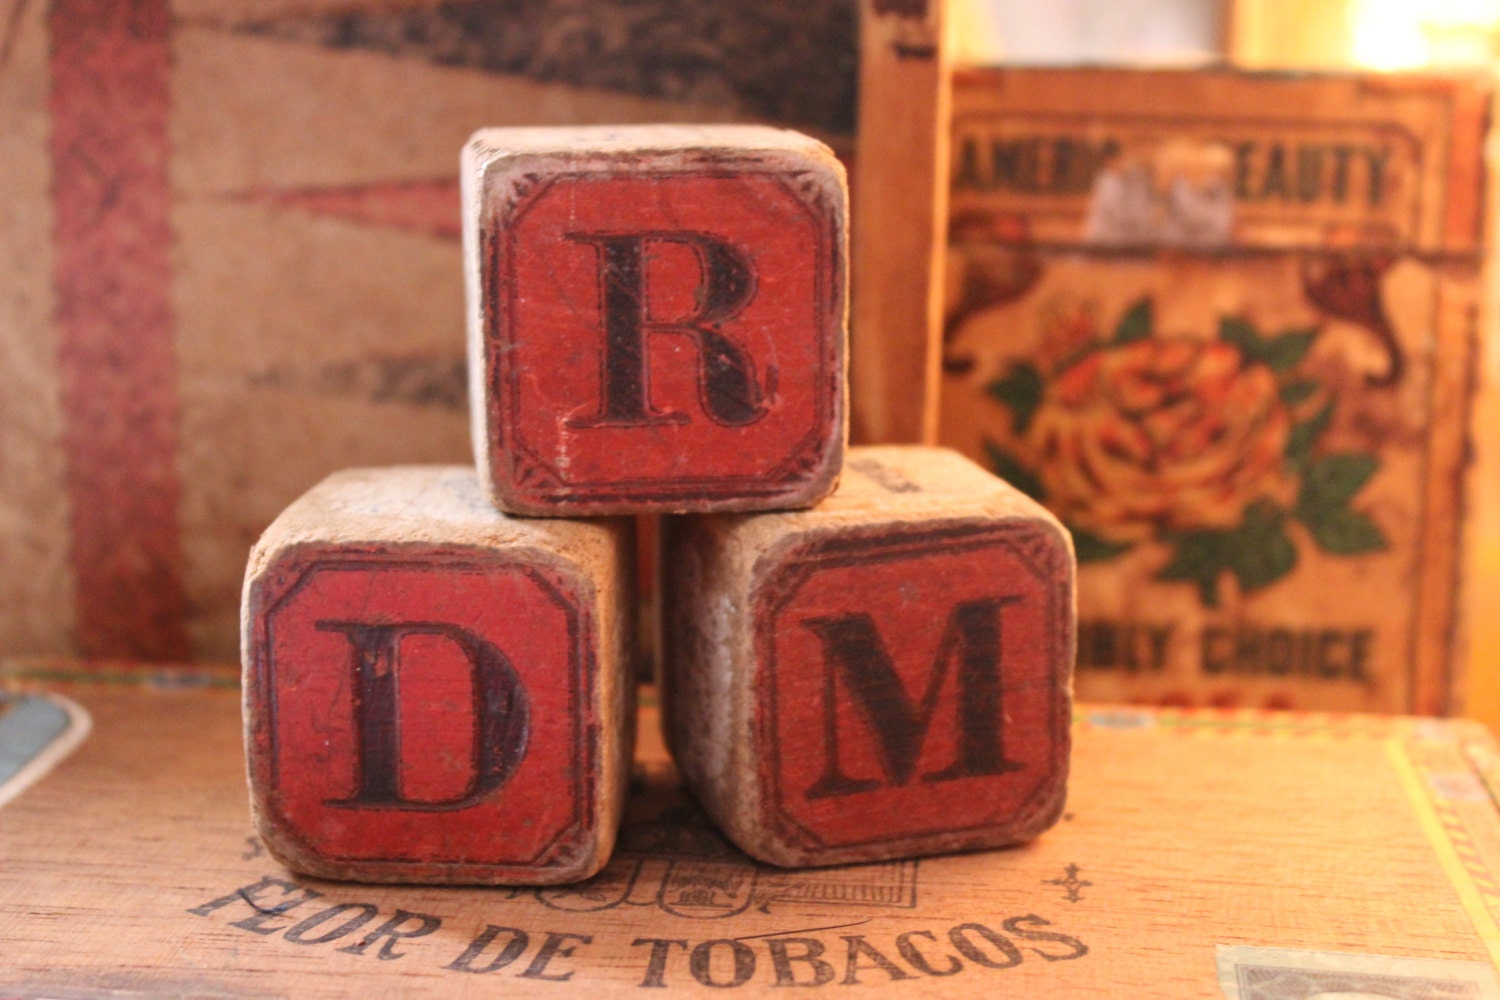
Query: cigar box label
point(910, 685)
point(664, 335)
point(413, 712)
point(1194, 182)
point(1249, 973)
point(37, 731)
point(1233, 352)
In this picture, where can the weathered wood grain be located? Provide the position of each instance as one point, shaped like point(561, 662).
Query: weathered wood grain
point(900, 218)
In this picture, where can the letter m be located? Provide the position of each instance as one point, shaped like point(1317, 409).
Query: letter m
point(855, 653)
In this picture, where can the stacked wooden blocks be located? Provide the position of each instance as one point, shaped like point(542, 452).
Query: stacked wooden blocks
point(438, 665)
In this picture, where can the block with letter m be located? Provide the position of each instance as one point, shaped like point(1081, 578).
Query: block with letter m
point(656, 317)
point(888, 674)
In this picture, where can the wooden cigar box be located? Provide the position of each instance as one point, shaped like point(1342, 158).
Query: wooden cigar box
point(1203, 854)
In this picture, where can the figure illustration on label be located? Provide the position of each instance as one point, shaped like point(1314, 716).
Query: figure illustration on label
point(1210, 447)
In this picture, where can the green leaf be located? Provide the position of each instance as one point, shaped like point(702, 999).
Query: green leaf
point(1242, 334)
point(1328, 484)
point(1136, 324)
point(1332, 480)
point(1010, 469)
point(1345, 532)
point(1197, 556)
point(1194, 554)
point(1299, 443)
point(1295, 392)
point(1309, 333)
point(1258, 551)
point(1089, 547)
point(1282, 353)
point(1021, 389)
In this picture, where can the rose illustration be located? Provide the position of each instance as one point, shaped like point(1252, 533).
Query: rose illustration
point(1209, 447)
point(1160, 435)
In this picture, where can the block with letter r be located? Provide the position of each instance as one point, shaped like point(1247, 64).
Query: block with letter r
point(656, 317)
point(434, 691)
point(885, 675)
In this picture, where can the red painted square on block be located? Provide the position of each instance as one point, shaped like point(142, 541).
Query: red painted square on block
point(909, 684)
point(657, 318)
point(429, 712)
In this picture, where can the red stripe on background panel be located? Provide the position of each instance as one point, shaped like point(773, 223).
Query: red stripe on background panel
point(110, 108)
point(430, 207)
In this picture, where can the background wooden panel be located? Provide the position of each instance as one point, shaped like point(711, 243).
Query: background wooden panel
point(297, 164)
point(900, 218)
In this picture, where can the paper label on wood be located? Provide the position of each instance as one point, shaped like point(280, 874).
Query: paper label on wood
point(1233, 351)
point(1248, 973)
point(1193, 182)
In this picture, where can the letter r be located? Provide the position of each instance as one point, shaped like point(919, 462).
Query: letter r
point(728, 389)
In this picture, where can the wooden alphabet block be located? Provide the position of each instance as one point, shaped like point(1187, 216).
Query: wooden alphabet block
point(886, 674)
point(656, 318)
point(435, 692)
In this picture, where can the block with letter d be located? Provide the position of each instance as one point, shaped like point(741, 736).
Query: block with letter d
point(435, 692)
point(886, 674)
point(656, 317)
